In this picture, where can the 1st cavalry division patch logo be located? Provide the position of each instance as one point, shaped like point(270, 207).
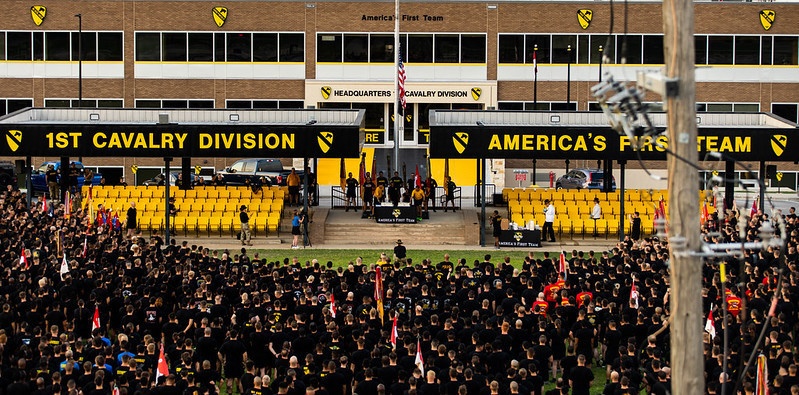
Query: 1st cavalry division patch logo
point(584, 16)
point(326, 91)
point(14, 139)
point(460, 140)
point(778, 142)
point(38, 12)
point(476, 92)
point(767, 18)
point(220, 15)
point(325, 140)
point(518, 236)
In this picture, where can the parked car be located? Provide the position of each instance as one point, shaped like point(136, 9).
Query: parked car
point(253, 169)
point(583, 179)
point(39, 176)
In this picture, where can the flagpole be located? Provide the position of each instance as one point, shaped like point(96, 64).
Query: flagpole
point(535, 82)
point(397, 118)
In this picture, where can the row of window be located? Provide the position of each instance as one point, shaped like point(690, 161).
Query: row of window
point(416, 48)
point(63, 46)
point(645, 49)
point(379, 47)
point(594, 106)
point(220, 47)
point(375, 112)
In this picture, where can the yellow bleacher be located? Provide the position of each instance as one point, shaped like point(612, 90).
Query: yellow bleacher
point(203, 210)
point(574, 207)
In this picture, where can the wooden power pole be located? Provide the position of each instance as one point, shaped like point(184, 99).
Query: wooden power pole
point(687, 361)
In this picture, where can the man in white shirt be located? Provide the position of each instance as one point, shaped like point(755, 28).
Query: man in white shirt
point(549, 219)
point(596, 214)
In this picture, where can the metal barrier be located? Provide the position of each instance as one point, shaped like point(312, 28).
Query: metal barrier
point(490, 190)
point(456, 193)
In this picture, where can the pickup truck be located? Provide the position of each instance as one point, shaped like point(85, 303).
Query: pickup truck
point(39, 176)
point(254, 168)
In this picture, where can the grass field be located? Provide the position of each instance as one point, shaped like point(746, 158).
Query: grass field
point(343, 257)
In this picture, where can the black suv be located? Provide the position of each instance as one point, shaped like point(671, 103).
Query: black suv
point(583, 179)
point(254, 168)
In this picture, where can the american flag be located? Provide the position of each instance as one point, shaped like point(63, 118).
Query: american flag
point(401, 80)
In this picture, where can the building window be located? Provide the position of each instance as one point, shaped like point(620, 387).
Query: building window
point(328, 48)
point(19, 46)
point(747, 50)
point(700, 49)
point(88, 46)
point(446, 48)
point(631, 50)
point(544, 43)
point(419, 48)
point(56, 46)
point(264, 104)
point(292, 47)
point(201, 47)
point(7, 106)
point(473, 48)
point(786, 50)
point(765, 50)
point(174, 47)
point(356, 48)
point(653, 49)
point(720, 49)
point(109, 46)
point(148, 47)
point(381, 48)
point(789, 111)
point(511, 48)
point(560, 48)
point(174, 103)
point(86, 103)
point(264, 47)
point(239, 47)
point(539, 106)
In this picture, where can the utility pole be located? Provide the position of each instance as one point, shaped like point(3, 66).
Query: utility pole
point(687, 361)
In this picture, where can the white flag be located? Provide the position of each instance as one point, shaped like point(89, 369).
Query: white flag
point(64, 266)
point(710, 325)
point(419, 359)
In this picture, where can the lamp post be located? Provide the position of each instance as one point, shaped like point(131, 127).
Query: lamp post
point(569, 77)
point(600, 63)
point(535, 81)
point(80, 59)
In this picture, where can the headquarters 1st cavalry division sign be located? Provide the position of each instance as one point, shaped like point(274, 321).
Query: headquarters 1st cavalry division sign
point(762, 144)
point(181, 141)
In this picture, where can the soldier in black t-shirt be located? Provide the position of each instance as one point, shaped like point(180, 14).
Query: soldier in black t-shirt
point(394, 187)
point(368, 191)
point(352, 184)
point(52, 182)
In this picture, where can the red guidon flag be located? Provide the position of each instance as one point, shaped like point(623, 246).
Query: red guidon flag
point(332, 306)
point(394, 333)
point(419, 362)
point(85, 251)
point(44, 203)
point(634, 294)
point(562, 265)
point(23, 260)
point(710, 325)
point(96, 318)
point(417, 180)
point(163, 368)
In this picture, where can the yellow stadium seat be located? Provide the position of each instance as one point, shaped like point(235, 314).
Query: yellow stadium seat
point(517, 218)
point(513, 195)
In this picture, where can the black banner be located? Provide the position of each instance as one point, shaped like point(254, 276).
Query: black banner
point(181, 141)
point(468, 142)
point(520, 238)
point(395, 215)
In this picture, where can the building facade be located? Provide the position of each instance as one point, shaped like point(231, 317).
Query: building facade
point(515, 55)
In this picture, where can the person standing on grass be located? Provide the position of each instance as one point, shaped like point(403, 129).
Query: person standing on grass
point(581, 377)
point(233, 353)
